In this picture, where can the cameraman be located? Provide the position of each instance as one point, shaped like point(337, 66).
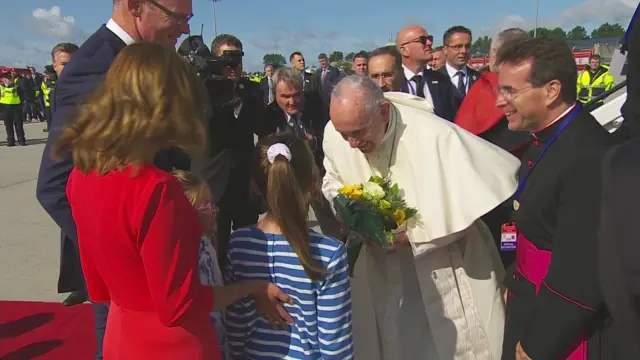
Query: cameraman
point(226, 163)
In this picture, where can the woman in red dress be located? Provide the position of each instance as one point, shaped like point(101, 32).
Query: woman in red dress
point(138, 234)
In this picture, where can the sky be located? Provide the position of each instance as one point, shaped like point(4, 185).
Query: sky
point(31, 28)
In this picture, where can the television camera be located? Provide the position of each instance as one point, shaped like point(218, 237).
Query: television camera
point(210, 68)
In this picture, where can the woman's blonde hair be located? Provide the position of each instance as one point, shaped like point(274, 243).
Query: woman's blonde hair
point(284, 186)
point(197, 192)
point(195, 189)
point(150, 100)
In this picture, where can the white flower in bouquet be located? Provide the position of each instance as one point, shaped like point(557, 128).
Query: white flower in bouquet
point(374, 190)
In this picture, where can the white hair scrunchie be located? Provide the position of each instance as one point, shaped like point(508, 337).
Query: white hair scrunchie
point(278, 149)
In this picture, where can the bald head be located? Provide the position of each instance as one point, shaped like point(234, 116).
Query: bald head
point(414, 43)
point(409, 33)
point(360, 112)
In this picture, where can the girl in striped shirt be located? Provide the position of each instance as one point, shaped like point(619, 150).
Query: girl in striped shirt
point(309, 267)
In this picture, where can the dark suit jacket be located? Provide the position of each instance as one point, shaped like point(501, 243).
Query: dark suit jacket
point(315, 116)
point(264, 87)
point(231, 141)
point(619, 246)
point(80, 78)
point(473, 76)
point(331, 79)
point(442, 93)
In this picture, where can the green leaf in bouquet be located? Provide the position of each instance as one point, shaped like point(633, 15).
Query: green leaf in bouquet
point(360, 218)
point(410, 212)
point(353, 245)
point(377, 179)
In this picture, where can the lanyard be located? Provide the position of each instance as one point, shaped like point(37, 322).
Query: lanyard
point(412, 90)
point(563, 126)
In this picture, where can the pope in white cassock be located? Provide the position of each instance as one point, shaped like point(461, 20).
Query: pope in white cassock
point(437, 296)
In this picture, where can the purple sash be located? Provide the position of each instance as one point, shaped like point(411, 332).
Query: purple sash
point(533, 264)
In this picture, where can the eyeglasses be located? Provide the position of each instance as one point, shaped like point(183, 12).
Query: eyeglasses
point(180, 19)
point(459, 47)
point(422, 40)
point(510, 94)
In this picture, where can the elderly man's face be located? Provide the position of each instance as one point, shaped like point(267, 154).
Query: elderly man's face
point(162, 21)
point(361, 130)
point(289, 98)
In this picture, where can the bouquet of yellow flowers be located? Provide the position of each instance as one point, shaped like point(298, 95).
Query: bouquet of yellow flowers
point(373, 211)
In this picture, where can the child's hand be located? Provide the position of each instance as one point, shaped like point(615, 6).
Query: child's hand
point(269, 299)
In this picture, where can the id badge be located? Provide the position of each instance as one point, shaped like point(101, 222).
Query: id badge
point(508, 237)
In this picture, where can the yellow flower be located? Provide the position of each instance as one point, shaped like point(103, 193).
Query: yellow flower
point(384, 204)
point(356, 194)
point(400, 217)
point(348, 190)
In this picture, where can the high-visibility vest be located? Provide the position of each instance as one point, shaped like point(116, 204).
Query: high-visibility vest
point(9, 95)
point(590, 87)
point(46, 92)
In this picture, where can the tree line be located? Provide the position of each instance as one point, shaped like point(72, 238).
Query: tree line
point(482, 44)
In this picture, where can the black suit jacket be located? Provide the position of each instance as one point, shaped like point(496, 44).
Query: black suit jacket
point(80, 78)
point(315, 116)
point(473, 76)
point(264, 87)
point(331, 79)
point(442, 93)
point(231, 141)
point(619, 247)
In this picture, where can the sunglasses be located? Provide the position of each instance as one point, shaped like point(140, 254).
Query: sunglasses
point(422, 40)
point(180, 19)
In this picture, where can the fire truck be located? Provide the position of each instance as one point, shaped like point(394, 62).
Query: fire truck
point(19, 71)
point(581, 56)
point(582, 49)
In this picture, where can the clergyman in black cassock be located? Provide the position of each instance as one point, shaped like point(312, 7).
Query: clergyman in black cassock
point(555, 308)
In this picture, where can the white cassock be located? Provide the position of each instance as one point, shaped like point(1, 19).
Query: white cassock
point(439, 299)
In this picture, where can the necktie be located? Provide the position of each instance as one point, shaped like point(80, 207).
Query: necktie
point(462, 89)
point(323, 76)
point(419, 85)
point(304, 85)
point(270, 91)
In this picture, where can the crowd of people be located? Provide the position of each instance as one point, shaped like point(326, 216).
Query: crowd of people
point(191, 241)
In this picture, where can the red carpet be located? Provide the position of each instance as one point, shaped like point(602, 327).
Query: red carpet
point(46, 331)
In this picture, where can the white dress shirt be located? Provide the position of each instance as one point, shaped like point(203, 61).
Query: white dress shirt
point(408, 74)
point(119, 31)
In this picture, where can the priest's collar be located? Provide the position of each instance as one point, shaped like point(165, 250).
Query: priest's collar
point(547, 132)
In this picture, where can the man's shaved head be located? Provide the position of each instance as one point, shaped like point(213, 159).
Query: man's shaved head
point(414, 43)
point(409, 33)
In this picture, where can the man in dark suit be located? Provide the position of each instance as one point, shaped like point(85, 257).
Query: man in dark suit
point(158, 20)
point(226, 164)
point(329, 76)
point(266, 84)
point(310, 82)
point(414, 44)
point(457, 47)
point(306, 115)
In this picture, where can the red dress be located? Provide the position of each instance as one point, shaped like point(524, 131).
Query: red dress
point(139, 238)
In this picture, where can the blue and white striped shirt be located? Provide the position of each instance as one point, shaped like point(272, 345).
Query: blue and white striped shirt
point(321, 310)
